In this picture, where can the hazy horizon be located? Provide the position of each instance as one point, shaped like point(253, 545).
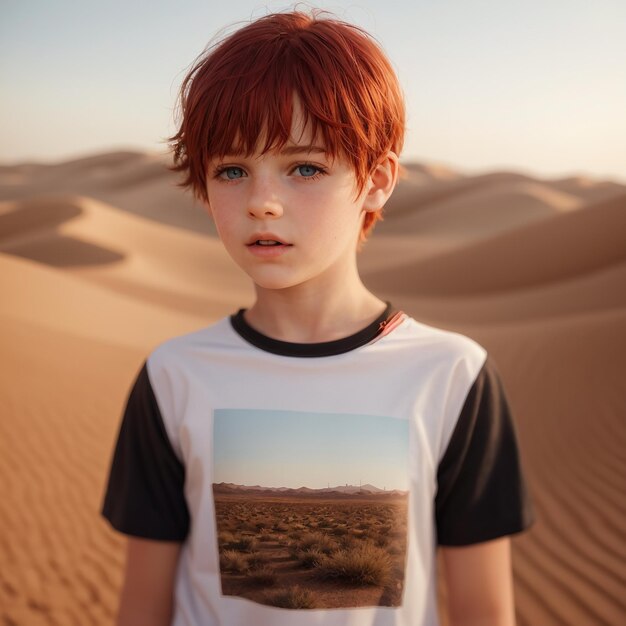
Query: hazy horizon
point(532, 87)
point(340, 486)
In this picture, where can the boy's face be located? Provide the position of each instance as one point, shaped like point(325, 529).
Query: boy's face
point(299, 196)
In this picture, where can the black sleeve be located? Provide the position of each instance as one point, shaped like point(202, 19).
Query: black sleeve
point(145, 492)
point(481, 490)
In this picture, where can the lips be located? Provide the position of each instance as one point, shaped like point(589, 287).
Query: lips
point(265, 237)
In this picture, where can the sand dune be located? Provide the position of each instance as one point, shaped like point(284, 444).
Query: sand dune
point(560, 247)
point(123, 252)
point(57, 301)
point(565, 378)
point(424, 219)
point(102, 257)
point(481, 210)
point(596, 291)
point(134, 182)
point(61, 565)
point(422, 193)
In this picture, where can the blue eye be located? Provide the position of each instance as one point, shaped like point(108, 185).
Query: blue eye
point(231, 173)
point(308, 170)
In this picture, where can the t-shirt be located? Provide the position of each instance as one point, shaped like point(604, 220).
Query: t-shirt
point(311, 483)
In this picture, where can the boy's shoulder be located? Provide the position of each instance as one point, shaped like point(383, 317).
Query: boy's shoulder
point(441, 343)
point(215, 336)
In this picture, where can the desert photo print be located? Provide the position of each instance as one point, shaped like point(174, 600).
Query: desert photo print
point(314, 516)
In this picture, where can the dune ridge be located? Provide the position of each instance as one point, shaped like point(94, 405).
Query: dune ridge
point(102, 257)
point(560, 247)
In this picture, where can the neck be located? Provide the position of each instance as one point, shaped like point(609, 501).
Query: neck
point(313, 316)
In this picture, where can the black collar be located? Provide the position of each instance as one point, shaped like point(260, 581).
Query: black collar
point(324, 348)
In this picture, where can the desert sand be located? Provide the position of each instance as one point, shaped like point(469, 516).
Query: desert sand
point(103, 257)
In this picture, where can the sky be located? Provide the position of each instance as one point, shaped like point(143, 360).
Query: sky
point(536, 86)
point(314, 450)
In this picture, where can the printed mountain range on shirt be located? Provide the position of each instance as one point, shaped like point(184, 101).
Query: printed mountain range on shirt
point(225, 488)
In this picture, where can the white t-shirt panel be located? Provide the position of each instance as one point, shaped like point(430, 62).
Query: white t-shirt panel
point(440, 383)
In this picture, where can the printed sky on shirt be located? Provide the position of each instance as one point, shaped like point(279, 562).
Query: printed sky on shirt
point(296, 449)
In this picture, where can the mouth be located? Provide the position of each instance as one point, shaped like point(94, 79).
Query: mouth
point(266, 239)
point(267, 246)
point(267, 243)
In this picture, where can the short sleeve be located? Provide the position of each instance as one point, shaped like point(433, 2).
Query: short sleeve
point(145, 491)
point(481, 490)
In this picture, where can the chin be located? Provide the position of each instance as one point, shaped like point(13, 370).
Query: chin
point(273, 282)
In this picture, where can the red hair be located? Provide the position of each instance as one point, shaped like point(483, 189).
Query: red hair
point(245, 84)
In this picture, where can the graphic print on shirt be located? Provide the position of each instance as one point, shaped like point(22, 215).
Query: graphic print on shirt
point(311, 508)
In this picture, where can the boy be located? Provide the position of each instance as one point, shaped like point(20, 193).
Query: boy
point(299, 462)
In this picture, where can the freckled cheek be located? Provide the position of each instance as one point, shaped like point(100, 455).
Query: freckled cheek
point(229, 228)
point(226, 226)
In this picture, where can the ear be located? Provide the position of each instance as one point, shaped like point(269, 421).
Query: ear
point(382, 182)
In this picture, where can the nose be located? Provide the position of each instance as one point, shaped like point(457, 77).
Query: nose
point(264, 201)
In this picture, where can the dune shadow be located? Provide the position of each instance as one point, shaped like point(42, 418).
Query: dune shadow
point(62, 251)
point(36, 217)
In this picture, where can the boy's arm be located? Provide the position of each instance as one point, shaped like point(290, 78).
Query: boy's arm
point(479, 582)
point(146, 598)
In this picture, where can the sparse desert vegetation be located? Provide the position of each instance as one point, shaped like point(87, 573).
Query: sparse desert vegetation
point(312, 552)
point(291, 598)
point(366, 564)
